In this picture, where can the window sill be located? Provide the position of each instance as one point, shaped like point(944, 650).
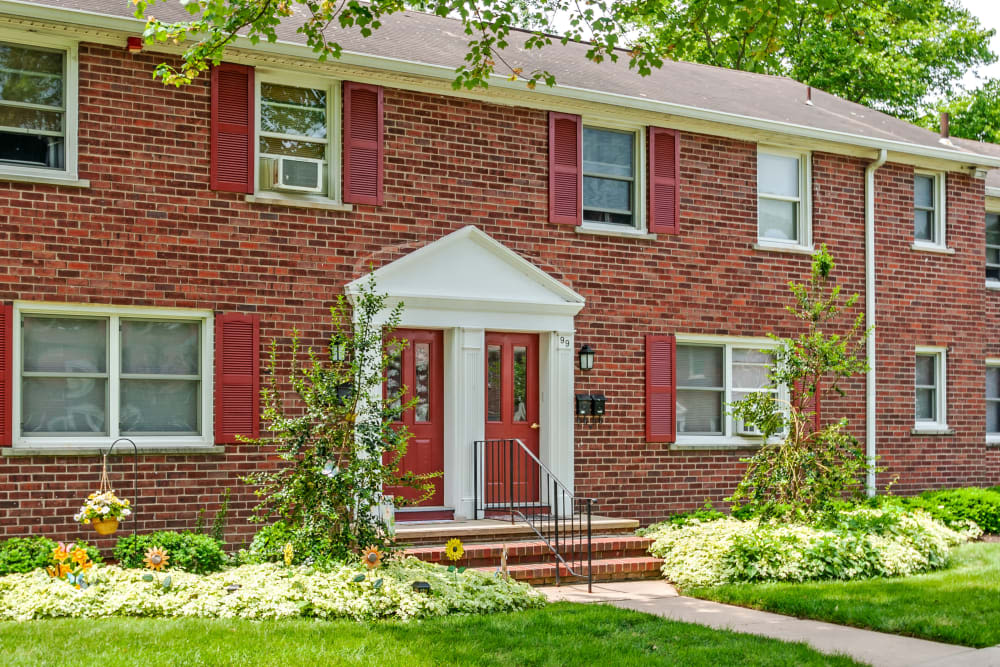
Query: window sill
point(46, 180)
point(717, 445)
point(600, 230)
point(928, 247)
point(993, 285)
point(180, 450)
point(992, 444)
point(779, 247)
point(296, 202)
point(932, 430)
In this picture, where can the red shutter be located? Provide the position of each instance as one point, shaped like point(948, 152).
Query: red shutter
point(661, 388)
point(232, 128)
point(237, 376)
point(363, 143)
point(664, 199)
point(6, 372)
point(565, 168)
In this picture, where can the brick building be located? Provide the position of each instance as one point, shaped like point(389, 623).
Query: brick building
point(155, 240)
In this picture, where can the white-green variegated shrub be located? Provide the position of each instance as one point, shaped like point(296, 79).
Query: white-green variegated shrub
point(855, 544)
point(266, 591)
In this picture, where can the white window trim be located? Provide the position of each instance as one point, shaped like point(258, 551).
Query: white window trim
point(940, 214)
point(940, 426)
point(206, 439)
point(70, 172)
point(639, 227)
point(804, 223)
point(731, 441)
point(334, 199)
point(992, 439)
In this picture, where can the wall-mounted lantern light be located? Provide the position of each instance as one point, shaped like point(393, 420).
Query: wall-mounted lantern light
point(586, 358)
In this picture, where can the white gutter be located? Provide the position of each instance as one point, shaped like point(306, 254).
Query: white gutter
point(870, 375)
point(86, 19)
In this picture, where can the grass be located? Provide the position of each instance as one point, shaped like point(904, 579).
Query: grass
point(560, 634)
point(959, 605)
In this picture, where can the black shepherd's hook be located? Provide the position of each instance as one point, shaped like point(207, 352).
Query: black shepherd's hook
point(135, 477)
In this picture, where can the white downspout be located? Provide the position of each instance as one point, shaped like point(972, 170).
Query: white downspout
point(870, 449)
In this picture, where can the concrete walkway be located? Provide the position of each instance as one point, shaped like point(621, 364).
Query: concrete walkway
point(874, 648)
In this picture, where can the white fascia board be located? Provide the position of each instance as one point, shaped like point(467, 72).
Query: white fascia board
point(993, 192)
point(17, 8)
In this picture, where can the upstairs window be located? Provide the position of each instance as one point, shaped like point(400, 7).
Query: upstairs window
point(35, 95)
point(928, 209)
point(993, 247)
point(783, 198)
point(609, 177)
point(993, 400)
point(929, 385)
point(294, 147)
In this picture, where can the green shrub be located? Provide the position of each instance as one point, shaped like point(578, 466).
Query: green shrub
point(269, 543)
point(190, 552)
point(705, 514)
point(956, 506)
point(24, 554)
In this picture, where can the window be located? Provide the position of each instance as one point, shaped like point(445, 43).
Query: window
point(928, 209)
point(709, 378)
point(993, 401)
point(929, 386)
point(609, 177)
point(37, 109)
point(88, 376)
point(297, 155)
point(993, 247)
point(783, 208)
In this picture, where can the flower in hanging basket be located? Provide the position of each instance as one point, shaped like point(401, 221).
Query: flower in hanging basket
point(101, 507)
point(156, 558)
point(372, 557)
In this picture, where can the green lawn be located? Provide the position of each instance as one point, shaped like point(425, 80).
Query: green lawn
point(560, 634)
point(960, 605)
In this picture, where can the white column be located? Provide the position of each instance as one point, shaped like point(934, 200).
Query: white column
point(465, 419)
point(556, 368)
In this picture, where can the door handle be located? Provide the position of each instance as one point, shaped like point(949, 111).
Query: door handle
point(535, 425)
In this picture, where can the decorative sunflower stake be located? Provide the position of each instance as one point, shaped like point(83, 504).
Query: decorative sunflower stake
point(372, 557)
point(454, 551)
point(156, 558)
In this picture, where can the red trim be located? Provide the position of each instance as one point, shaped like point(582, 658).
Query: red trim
point(237, 376)
point(232, 128)
point(664, 180)
point(661, 388)
point(6, 373)
point(565, 168)
point(364, 143)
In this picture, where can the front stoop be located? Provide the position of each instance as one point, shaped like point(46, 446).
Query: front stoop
point(614, 558)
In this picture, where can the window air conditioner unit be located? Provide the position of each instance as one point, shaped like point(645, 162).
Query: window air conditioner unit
point(291, 174)
point(742, 428)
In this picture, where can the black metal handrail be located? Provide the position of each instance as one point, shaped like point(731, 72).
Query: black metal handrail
point(510, 481)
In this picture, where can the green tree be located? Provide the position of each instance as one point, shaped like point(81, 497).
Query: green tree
point(974, 115)
point(892, 55)
point(802, 464)
point(608, 27)
point(339, 447)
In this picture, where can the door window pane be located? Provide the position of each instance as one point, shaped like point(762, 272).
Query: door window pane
point(494, 391)
point(159, 348)
point(520, 410)
point(422, 359)
point(64, 405)
point(394, 377)
point(159, 406)
point(32, 136)
point(65, 345)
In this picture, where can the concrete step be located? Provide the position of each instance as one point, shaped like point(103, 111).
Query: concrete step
point(537, 551)
point(610, 569)
point(436, 533)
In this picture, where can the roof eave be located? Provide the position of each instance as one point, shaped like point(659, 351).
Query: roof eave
point(22, 9)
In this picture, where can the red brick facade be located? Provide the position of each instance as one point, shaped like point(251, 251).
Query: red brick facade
point(148, 231)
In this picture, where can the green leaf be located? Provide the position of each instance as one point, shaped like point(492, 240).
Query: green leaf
point(167, 581)
point(451, 568)
point(461, 569)
point(377, 584)
point(359, 578)
point(147, 577)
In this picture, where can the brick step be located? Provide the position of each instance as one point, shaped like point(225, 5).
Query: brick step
point(536, 551)
point(610, 569)
point(489, 531)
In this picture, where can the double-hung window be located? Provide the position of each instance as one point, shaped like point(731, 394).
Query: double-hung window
point(37, 109)
point(930, 387)
point(928, 210)
point(783, 200)
point(711, 376)
point(298, 139)
point(90, 375)
point(993, 401)
point(610, 182)
point(993, 247)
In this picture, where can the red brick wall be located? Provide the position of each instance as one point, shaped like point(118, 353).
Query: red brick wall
point(149, 232)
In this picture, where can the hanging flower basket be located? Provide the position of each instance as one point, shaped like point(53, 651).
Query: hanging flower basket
point(106, 526)
point(104, 509)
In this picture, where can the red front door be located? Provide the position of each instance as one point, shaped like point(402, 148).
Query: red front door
point(512, 412)
point(420, 369)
